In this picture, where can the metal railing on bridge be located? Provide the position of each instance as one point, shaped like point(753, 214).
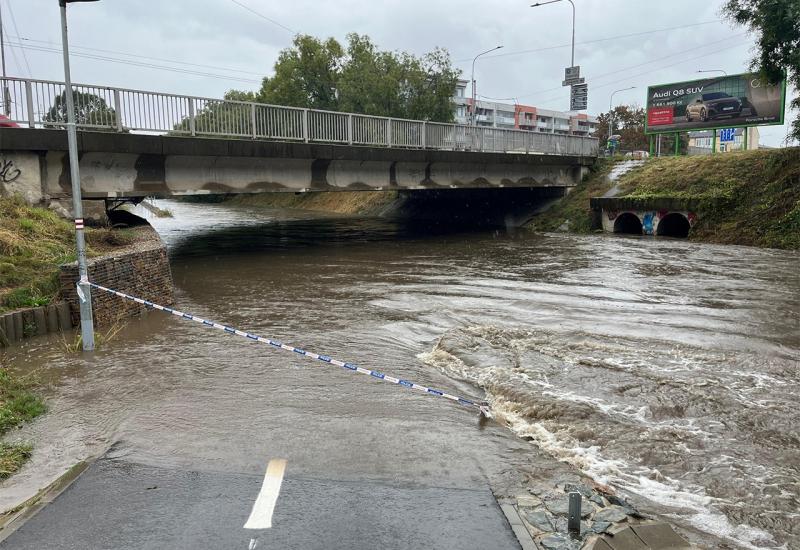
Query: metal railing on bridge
point(42, 104)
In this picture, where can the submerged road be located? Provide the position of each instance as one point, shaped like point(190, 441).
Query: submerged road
point(663, 368)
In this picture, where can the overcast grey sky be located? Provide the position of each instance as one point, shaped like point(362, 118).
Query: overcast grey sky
point(236, 47)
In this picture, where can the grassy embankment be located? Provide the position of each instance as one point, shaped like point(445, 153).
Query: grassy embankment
point(17, 405)
point(340, 202)
point(33, 243)
point(749, 197)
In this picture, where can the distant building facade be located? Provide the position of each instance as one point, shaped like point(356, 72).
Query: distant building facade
point(520, 117)
point(700, 143)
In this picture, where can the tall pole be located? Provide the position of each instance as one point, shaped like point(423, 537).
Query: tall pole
point(611, 110)
point(84, 290)
point(572, 62)
point(6, 95)
point(474, 105)
point(537, 4)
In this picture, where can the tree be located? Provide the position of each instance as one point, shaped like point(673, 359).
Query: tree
point(362, 79)
point(775, 22)
point(397, 85)
point(90, 110)
point(222, 117)
point(628, 124)
point(305, 75)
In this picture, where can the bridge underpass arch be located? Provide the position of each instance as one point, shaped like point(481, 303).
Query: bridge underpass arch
point(628, 223)
point(673, 224)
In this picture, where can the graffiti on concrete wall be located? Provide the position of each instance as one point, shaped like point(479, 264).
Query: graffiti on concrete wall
point(8, 172)
point(647, 222)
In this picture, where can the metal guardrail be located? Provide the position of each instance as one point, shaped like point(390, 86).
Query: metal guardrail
point(41, 104)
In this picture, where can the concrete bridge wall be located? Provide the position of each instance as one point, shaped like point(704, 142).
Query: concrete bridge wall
point(128, 165)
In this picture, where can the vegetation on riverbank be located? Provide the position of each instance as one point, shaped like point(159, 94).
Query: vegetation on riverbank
point(33, 243)
point(748, 197)
point(573, 210)
point(339, 202)
point(18, 404)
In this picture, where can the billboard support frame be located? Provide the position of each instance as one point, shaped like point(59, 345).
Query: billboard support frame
point(649, 131)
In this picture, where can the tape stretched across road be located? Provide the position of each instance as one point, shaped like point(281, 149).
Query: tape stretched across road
point(480, 406)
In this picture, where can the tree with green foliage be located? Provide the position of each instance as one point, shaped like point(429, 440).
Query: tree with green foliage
point(90, 110)
point(305, 75)
point(628, 124)
point(362, 79)
point(776, 24)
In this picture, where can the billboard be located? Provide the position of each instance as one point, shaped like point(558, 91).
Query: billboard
point(722, 102)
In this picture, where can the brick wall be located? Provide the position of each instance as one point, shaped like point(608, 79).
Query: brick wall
point(141, 269)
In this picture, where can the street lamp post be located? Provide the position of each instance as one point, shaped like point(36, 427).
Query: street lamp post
point(474, 106)
point(713, 71)
point(537, 4)
point(611, 110)
point(84, 290)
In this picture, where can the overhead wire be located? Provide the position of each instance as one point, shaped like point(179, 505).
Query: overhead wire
point(650, 62)
point(593, 41)
point(561, 96)
point(16, 29)
point(262, 16)
point(74, 47)
point(135, 63)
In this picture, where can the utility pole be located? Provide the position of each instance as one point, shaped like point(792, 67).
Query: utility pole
point(611, 110)
point(84, 290)
point(6, 95)
point(474, 104)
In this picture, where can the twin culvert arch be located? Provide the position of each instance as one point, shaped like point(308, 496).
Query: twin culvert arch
point(663, 224)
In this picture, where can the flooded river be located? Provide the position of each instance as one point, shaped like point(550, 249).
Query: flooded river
point(667, 369)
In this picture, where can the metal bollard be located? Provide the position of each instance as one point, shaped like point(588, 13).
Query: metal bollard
point(574, 521)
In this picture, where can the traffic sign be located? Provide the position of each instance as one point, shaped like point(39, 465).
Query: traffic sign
point(579, 97)
point(727, 134)
point(572, 75)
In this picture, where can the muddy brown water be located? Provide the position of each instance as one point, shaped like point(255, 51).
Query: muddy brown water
point(667, 369)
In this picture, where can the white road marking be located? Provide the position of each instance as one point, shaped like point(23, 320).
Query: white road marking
point(261, 516)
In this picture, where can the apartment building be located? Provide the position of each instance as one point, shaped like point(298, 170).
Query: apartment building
point(520, 117)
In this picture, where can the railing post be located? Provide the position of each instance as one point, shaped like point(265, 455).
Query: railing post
point(118, 110)
point(253, 119)
point(192, 128)
point(305, 125)
point(350, 129)
point(29, 103)
point(388, 132)
point(423, 136)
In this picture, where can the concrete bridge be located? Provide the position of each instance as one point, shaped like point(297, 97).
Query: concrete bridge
point(35, 164)
point(137, 143)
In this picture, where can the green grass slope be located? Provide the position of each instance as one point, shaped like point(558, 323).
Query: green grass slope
point(748, 197)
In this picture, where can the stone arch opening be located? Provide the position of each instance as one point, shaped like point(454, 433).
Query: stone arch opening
point(628, 223)
point(673, 224)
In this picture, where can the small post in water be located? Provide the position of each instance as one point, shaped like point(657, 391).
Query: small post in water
point(574, 521)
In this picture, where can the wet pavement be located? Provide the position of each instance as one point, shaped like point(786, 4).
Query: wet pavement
point(116, 504)
point(666, 369)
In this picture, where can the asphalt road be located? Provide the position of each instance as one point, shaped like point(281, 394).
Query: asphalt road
point(118, 504)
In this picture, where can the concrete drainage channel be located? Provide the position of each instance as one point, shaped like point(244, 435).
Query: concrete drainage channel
point(600, 521)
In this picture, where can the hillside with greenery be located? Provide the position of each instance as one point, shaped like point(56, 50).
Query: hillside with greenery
point(33, 243)
point(748, 197)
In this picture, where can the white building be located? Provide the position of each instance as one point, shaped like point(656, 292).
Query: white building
point(520, 117)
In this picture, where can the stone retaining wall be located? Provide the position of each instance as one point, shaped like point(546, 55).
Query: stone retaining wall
point(141, 269)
